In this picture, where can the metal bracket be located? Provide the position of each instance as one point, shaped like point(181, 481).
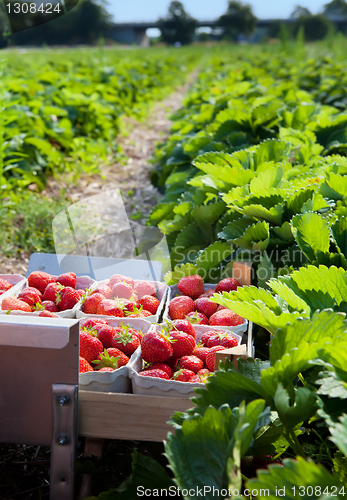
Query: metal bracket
point(64, 439)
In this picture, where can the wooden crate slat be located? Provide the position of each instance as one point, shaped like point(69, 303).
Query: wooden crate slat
point(127, 416)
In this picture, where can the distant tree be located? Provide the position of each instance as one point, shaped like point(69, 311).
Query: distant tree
point(314, 27)
point(299, 12)
point(177, 26)
point(238, 19)
point(335, 8)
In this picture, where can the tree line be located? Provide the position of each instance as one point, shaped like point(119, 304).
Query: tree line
point(89, 22)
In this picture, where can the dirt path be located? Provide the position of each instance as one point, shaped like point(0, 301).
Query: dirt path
point(138, 146)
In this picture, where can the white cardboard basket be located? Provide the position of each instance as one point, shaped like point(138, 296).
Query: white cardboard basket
point(17, 281)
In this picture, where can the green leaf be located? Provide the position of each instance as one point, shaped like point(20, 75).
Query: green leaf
point(213, 255)
point(339, 434)
point(335, 187)
point(173, 277)
point(339, 230)
point(236, 228)
point(302, 409)
point(284, 481)
point(255, 237)
point(272, 215)
point(287, 294)
point(312, 234)
point(206, 215)
point(271, 178)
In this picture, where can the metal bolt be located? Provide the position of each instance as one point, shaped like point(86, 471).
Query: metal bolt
point(42, 267)
point(63, 440)
point(63, 400)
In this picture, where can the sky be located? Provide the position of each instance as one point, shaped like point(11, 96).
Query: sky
point(151, 10)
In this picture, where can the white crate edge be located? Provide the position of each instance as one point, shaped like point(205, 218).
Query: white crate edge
point(17, 281)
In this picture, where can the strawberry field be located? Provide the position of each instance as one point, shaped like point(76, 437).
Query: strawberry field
point(254, 171)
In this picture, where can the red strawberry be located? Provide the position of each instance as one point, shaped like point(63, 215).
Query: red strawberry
point(225, 317)
point(31, 296)
point(172, 362)
point(5, 285)
point(85, 366)
point(207, 335)
point(195, 380)
point(105, 334)
point(67, 279)
point(144, 288)
point(224, 339)
point(105, 291)
point(119, 278)
point(183, 375)
point(193, 286)
point(49, 306)
point(80, 292)
point(227, 285)
point(106, 369)
point(145, 314)
point(203, 375)
point(109, 307)
point(211, 356)
point(183, 325)
point(39, 280)
point(122, 291)
point(192, 363)
point(179, 307)
point(155, 347)
point(111, 357)
point(201, 352)
point(183, 344)
point(12, 304)
point(131, 306)
point(69, 298)
point(205, 306)
point(125, 340)
point(155, 373)
point(220, 307)
point(208, 293)
point(47, 314)
point(197, 318)
point(90, 304)
point(90, 346)
point(161, 366)
point(150, 303)
point(52, 292)
point(91, 322)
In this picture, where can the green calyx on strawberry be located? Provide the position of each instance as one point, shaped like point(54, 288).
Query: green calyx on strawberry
point(136, 310)
point(106, 361)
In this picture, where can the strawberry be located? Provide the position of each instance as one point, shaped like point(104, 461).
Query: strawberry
point(225, 317)
point(104, 290)
point(91, 322)
point(69, 298)
point(49, 306)
point(205, 306)
point(85, 366)
point(111, 357)
point(172, 362)
point(90, 304)
point(105, 334)
point(197, 318)
point(224, 339)
point(47, 314)
point(90, 346)
point(211, 356)
point(106, 369)
point(192, 363)
point(161, 366)
point(12, 304)
point(203, 375)
point(195, 380)
point(122, 291)
point(52, 292)
point(155, 373)
point(125, 340)
point(183, 344)
point(144, 288)
point(193, 286)
point(118, 278)
point(155, 347)
point(31, 296)
point(80, 292)
point(183, 375)
point(150, 303)
point(5, 285)
point(208, 293)
point(131, 306)
point(183, 325)
point(201, 352)
point(39, 280)
point(207, 335)
point(67, 279)
point(109, 307)
point(227, 285)
point(220, 307)
point(179, 307)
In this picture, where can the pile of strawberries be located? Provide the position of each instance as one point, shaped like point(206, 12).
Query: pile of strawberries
point(194, 304)
point(120, 297)
point(104, 348)
point(4, 286)
point(46, 294)
point(172, 353)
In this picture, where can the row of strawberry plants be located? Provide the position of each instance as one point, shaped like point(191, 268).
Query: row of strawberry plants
point(254, 161)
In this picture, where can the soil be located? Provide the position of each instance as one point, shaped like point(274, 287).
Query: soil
point(24, 470)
